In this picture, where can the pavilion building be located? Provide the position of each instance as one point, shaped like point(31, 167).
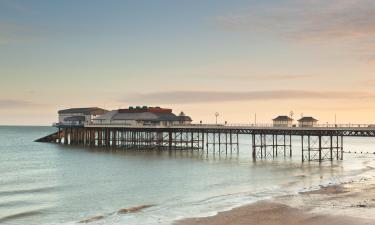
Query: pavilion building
point(283, 121)
point(307, 121)
point(143, 116)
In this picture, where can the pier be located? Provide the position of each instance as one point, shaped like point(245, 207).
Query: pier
point(319, 143)
point(156, 128)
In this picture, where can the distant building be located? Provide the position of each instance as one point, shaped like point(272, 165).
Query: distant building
point(143, 116)
point(307, 121)
point(78, 116)
point(283, 121)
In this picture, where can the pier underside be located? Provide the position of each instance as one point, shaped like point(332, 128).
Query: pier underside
point(265, 143)
point(150, 139)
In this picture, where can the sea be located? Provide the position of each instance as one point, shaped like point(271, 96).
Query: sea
point(46, 183)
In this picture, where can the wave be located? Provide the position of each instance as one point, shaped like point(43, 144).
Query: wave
point(11, 203)
point(20, 215)
point(27, 191)
point(133, 209)
point(92, 219)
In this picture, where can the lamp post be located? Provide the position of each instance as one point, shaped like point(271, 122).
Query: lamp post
point(335, 120)
point(255, 119)
point(216, 115)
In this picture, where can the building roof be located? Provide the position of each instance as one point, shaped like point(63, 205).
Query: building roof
point(141, 116)
point(184, 118)
point(307, 119)
point(283, 118)
point(85, 111)
point(145, 116)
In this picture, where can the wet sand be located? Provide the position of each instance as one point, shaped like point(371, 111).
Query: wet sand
point(347, 204)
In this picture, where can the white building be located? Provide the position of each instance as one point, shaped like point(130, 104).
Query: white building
point(283, 121)
point(307, 121)
point(143, 116)
point(79, 116)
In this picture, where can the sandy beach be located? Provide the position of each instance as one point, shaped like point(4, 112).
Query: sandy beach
point(351, 203)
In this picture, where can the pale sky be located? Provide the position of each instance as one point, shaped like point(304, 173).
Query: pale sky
point(238, 58)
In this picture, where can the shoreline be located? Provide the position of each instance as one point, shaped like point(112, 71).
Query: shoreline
point(349, 203)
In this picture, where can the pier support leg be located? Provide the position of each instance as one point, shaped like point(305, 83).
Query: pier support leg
point(342, 148)
point(331, 147)
point(253, 146)
point(302, 146)
point(170, 138)
point(290, 146)
point(320, 148)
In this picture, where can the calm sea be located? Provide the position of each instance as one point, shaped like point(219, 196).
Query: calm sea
point(50, 184)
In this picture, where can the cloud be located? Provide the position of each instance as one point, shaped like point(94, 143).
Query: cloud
point(351, 22)
point(16, 6)
point(17, 104)
point(369, 82)
point(265, 77)
point(284, 77)
point(15, 33)
point(184, 97)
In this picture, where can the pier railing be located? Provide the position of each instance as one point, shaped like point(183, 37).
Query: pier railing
point(229, 125)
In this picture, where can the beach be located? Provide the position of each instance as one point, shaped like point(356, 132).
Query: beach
point(350, 203)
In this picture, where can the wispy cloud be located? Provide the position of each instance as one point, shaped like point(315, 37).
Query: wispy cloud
point(17, 104)
point(13, 33)
point(16, 6)
point(351, 22)
point(368, 82)
point(183, 97)
point(281, 77)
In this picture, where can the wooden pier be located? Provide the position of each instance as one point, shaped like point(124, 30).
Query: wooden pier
point(317, 143)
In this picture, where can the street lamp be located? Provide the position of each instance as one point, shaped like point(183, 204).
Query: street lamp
point(216, 115)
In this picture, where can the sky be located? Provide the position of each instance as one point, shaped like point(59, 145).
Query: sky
point(239, 58)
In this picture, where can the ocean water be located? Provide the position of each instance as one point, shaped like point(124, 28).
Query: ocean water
point(43, 183)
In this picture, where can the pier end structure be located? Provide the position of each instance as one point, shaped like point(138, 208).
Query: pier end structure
point(71, 123)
